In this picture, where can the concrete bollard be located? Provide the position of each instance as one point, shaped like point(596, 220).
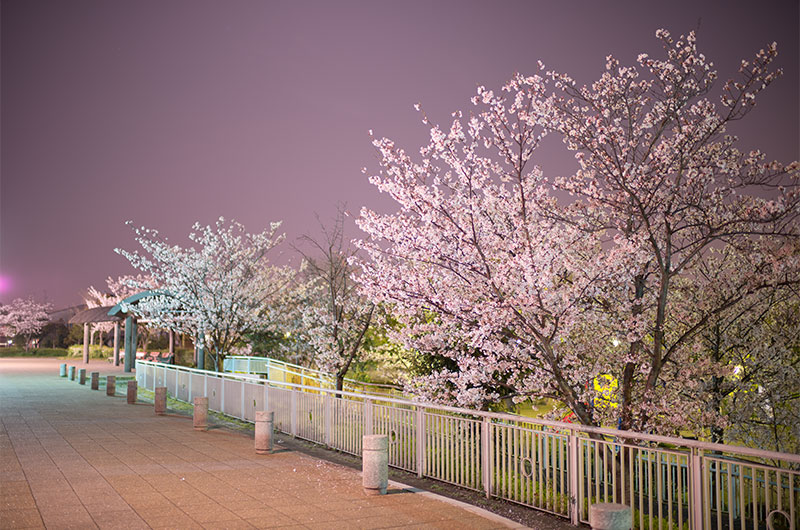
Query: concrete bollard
point(264, 430)
point(133, 392)
point(111, 385)
point(62, 372)
point(375, 464)
point(610, 516)
point(72, 373)
point(82, 376)
point(95, 380)
point(160, 400)
point(200, 416)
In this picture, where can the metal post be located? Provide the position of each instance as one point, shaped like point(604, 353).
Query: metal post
point(368, 416)
point(327, 403)
point(486, 459)
point(222, 394)
point(293, 411)
point(574, 477)
point(241, 382)
point(419, 424)
point(696, 478)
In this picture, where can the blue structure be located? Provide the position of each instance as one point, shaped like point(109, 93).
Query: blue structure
point(130, 324)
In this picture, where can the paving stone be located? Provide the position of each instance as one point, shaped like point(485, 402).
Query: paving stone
point(73, 458)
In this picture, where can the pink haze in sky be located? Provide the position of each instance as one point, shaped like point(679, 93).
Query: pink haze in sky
point(167, 112)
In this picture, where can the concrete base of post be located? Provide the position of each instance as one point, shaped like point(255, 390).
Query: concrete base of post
point(133, 392)
point(82, 376)
point(160, 400)
point(264, 430)
point(95, 380)
point(610, 516)
point(72, 373)
point(111, 385)
point(62, 372)
point(200, 416)
point(375, 464)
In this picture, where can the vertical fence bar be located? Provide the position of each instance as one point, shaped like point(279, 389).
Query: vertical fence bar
point(486, 466)
point(575, 475)
point(696, 481)
point(222, 394)
point(242, 383)
point(369, 412)
point(327, 402)
point(293, 411)
point(419, 424)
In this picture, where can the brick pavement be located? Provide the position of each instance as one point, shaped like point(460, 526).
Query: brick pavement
point(76, 458)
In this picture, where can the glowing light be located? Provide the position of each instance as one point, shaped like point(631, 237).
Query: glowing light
point(5, 283)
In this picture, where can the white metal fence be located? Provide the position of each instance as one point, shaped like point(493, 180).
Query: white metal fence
point(281, 371)
point(560, 468)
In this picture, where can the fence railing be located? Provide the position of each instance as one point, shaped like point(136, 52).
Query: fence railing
point(560, 468)
point(281, 371)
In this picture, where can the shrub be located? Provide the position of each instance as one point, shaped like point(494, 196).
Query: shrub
point(95, 352)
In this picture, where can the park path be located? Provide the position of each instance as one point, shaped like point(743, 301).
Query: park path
point(71, 457)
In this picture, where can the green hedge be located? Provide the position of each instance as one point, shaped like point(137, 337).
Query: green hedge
point(95, 352)
point(18, 351)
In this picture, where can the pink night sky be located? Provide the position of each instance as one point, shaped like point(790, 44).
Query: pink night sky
point(168, 112)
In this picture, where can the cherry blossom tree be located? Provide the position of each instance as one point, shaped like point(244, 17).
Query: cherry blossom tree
point(24, 317)
point(659, 175)
point(117, 289)
point(219, 290)
point(96, 298)
point(542, 286)
point(472, 266)
point(336, 316)
point(756, 345)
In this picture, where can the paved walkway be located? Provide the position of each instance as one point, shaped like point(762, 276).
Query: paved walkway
point(71, 457)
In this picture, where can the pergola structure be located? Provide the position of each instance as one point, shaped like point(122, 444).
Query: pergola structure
point(97, 315)
point(122, 310)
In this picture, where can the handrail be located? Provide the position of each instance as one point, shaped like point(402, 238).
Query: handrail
point(287, 366)
point(614, 433)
